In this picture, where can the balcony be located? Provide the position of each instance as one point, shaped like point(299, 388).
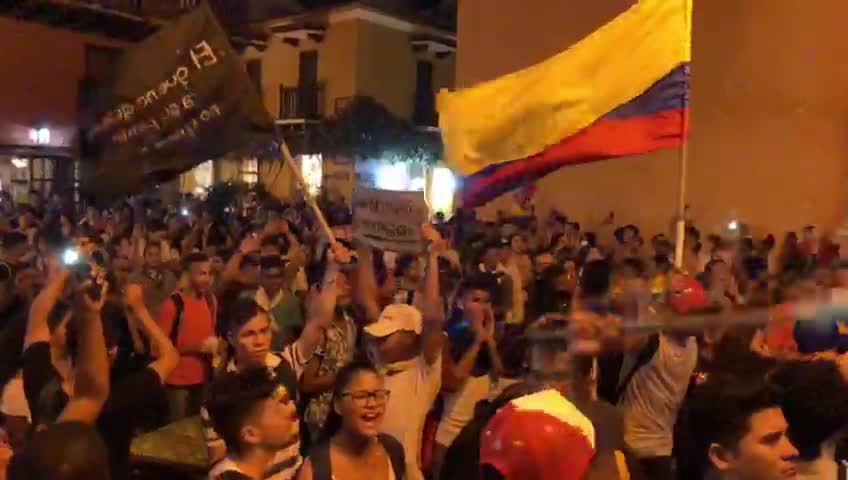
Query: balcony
point(301, 104)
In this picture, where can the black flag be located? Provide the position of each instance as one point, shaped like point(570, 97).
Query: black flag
point(180, 98)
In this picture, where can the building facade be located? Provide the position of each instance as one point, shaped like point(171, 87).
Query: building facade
point(48, 68)
point(768, 143)
point(306, 63)
point(315, 62)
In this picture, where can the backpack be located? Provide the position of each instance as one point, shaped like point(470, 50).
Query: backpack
point(612, 377)
point(322, 470)
point(179, 306)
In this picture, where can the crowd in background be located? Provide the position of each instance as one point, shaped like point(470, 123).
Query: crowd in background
point(311, 357)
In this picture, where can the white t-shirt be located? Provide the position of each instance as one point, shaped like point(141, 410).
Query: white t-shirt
point(413, 392)
point(653, 397)
point(287, 461)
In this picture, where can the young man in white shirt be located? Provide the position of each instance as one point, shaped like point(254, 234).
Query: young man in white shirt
point(257, 420)
point(249, 335)
point(406, 344)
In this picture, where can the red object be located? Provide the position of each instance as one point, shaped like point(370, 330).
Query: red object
point(196, 326)
point(687, 295)
point(538, 437)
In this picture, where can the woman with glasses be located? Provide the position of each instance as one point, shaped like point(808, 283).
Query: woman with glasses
point(353, 447)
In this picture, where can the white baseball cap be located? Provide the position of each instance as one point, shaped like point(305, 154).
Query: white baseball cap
point(396, 318)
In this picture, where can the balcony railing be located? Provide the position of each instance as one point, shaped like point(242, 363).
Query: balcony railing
point(304, 102)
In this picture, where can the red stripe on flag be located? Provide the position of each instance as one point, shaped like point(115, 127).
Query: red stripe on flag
point(602, 140)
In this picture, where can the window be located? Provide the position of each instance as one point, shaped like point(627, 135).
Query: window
point(308, 68)
point(425, 97)
point(312, 169)
point(254, 71)
point(249, 171)
point(77, 176)
point(41, 172)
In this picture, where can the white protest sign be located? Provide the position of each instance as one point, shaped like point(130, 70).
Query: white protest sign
point(389, 220)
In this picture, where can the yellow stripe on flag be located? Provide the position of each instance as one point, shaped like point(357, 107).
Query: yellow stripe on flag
point(522, 113)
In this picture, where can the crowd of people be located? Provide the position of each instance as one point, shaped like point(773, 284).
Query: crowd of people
point(498, 351)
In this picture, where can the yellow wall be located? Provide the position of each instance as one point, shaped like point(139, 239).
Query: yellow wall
point(444, 72)
point(337, 63)
point(356, 57)
point(769, 141)
point(279, 67)
point(386, 67)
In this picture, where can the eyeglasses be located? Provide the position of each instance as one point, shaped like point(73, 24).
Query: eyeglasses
point(361, 397)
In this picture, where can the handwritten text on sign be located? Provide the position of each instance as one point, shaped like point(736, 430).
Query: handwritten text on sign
point(389, 220)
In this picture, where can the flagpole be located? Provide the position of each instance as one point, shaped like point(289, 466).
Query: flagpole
point(683, 154)
point(287, 156)
point(684, 151)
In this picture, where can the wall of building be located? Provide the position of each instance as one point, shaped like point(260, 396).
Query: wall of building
point(279, 67)
point(444, 72)
point(385, 53)
point(39, 81)
point(768, 143)
point(337, 63)
point(386, 67)
point(356, 57)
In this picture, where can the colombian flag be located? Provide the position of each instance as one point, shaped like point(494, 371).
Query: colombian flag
point(621, 91)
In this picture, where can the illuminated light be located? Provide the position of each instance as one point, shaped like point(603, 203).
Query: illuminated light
point(20, 162)
point(43, 135)
point(312, 169)
point(417, 184)
point(70, 257)
point(733, 225)
point(392, 176)
point(40, 136)
point(442, 190)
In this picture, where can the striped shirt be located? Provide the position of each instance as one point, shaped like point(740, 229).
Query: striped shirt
point(287, 461)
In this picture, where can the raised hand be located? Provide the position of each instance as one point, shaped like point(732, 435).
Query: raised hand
point(339, 253)
point(91, 296)
point(433, 238)
point(250, 244)
point(133, 296)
